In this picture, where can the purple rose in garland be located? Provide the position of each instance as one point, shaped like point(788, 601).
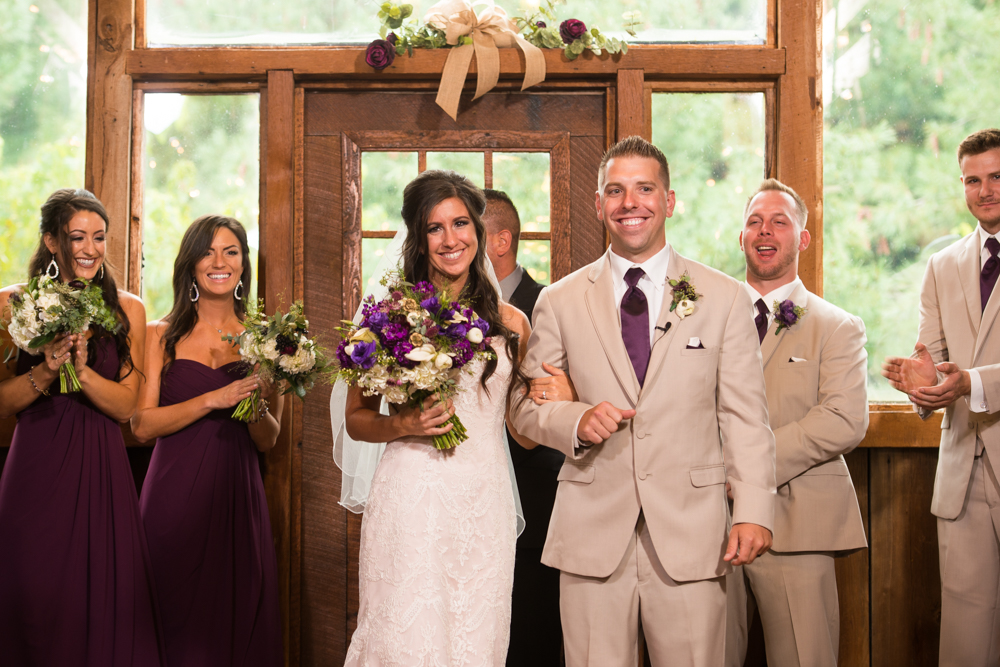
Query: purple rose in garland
point(380, 54)
point(571, 30)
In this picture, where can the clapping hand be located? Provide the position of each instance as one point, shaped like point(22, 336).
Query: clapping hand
point(916, 376)
point(555, 387)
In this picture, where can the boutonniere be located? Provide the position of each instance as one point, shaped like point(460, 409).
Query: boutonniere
point(684, 296)
point(787, 314)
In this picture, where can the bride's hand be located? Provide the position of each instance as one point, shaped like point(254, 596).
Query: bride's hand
point(556, 387)
point(427, 419)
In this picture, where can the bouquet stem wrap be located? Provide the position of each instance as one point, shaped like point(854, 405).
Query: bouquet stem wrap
point(68, 380)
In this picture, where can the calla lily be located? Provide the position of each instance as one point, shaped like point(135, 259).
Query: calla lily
point(422, 353)
point(364, 334)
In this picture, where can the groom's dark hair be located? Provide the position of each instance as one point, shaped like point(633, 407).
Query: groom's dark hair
point(634, 146)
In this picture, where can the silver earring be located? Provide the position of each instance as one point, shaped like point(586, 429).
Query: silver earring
point(52, 265)
point(193, 292)
point(238, 292)
point(101, 277)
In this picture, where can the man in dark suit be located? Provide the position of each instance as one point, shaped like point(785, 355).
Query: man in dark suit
point(535, 630)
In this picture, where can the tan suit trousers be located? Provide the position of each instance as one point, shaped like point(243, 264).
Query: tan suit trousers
point(970, 575)
point(796, 595)
point(683, 622)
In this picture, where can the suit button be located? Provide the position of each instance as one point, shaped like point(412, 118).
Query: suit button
point(642, 475)
point(641, 434)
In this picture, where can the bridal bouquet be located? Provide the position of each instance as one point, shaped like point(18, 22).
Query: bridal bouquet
point(279, 348)
point(46, 308)
point(411, 345)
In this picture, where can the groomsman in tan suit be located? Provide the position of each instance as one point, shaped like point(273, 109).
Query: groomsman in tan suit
point(671, 407)
point(815, 369)
point(956, 366)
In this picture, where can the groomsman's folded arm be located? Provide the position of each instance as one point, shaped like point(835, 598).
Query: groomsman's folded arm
point(552, 423)
point(748, 443)
point(838, 423)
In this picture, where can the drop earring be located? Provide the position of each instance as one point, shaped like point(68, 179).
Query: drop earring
point(101, 277)
point(238, 292)
point(193, 292)
point(52, 265)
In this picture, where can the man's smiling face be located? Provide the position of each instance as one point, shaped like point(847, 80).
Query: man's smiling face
point(633, 202)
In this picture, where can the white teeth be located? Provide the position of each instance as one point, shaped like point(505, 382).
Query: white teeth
point(630, 222)
point(86, 263)
point(452, 255)
point(219, 276)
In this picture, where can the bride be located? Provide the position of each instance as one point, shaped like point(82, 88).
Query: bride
point(438, 533)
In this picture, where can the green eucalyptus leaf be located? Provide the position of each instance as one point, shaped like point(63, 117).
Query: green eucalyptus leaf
point(569, 53)
point(405, 11)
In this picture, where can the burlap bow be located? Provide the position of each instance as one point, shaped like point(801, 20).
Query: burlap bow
point(490, 29)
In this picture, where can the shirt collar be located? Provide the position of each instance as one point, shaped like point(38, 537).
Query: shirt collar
point(509, 284)
point(983, 235)
point(779, 294)
point(655, 267)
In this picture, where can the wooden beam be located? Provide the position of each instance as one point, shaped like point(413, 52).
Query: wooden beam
point(800, 124)
point(136, 195)
point(630, 112)
point(701, 62)
point(277, 262)
point(109, 124)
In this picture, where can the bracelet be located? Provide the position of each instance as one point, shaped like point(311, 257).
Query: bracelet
point(260, 412)
point(31, 379)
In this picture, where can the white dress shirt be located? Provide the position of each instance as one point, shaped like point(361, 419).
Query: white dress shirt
point(509, 284)
point(977, 397)
point(779, 295)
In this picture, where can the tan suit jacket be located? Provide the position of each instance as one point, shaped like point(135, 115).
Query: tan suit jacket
point(698, 409)
point(955, 328)
point(818, 410)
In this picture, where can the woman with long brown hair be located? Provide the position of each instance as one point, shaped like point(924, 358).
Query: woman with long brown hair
point(437, 538)
point(75, 580)
point(203, 501)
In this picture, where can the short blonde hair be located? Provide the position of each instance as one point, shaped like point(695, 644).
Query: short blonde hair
point(773, 184)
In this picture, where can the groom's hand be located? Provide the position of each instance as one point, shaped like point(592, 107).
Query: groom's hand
point(599, 422)
point(746, 542)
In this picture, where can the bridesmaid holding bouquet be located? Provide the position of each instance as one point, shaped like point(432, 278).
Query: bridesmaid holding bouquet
point(75, 580)
point(203, 500)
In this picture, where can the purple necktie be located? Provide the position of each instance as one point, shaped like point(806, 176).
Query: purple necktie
point(761, 320)
point(635, 323)
point(991, 269)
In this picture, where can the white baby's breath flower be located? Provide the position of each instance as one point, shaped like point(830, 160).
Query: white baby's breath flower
point(475, 336)
point(395, 394)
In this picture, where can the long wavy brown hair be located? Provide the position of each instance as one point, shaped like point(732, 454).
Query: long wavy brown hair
point(196, 242)
point(420, 197)
point(57, 211)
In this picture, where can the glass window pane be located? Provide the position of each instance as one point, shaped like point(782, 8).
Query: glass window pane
point(172, 22)
point(201, 157)
point(471, 165)
point(534, 257)
point(43, 101)
point(714, 143)
point(525, 178)
point(371, 254)
point(901, 90)
point(383, 177)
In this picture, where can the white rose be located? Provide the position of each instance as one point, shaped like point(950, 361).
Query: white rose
point(475, 336)
point(270, 350)
point(684, 308)
point(442, 360)
point(422, 353)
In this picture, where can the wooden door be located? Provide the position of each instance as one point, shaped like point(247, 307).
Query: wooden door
point(337, 129)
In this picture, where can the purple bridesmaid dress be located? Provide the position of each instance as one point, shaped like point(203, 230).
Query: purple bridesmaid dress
point(209, 534)
point(75, 580)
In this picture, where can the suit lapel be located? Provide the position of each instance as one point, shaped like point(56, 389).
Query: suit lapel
point(800, 297)
point(676, 267)
point(968, 273)
point(604, 313)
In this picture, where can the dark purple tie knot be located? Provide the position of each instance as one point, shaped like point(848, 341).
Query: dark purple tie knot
point(991, 244)
point(635, 274)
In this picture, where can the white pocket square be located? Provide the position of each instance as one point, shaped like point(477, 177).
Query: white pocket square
point(796, 359)
point(694, 343)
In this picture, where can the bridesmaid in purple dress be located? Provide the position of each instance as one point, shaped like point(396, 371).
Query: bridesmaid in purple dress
point(76, 586)
point(203, 501)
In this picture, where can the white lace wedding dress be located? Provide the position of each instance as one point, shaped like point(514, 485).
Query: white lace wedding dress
point(437, 543)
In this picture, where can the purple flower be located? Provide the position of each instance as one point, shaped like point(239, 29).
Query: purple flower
point(16, 299)
point(380, 54)
point(431, 304)
point(363, 354)
point(786, 311)
point(571, 30)
point(425, 287)
point(376, 321)
point(433, 331)
point(391, 38)
point(342, 356)
point(482, 325)
point(540, 24)
point(76, 284)
point(463, 353)
point(397, 295)
point(400, 350)
point(457, 331)
point(394, 331)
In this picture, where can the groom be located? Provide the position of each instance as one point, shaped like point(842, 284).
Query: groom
point(671, 408)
